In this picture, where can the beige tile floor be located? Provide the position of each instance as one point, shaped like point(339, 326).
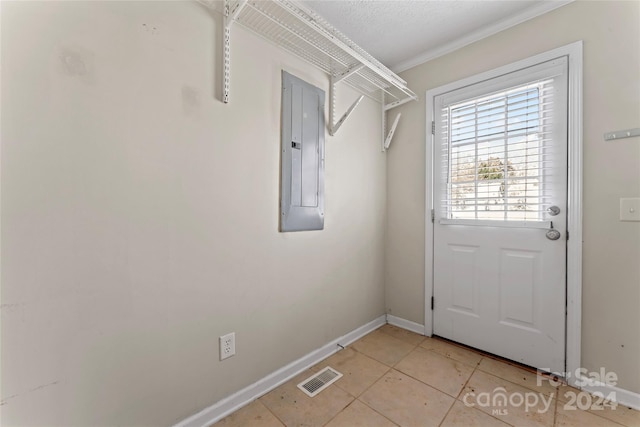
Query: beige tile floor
point(393, 377)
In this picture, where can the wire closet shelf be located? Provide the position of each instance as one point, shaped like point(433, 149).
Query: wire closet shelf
point(303, 32)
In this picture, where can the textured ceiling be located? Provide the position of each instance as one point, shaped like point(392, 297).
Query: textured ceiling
point(404, 33)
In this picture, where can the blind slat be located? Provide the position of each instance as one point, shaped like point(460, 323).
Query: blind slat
point(496, 154)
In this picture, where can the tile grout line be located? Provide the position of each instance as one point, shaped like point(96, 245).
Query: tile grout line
point(449, 357)
point(388, 334)
point(389, 368)
point(374, 410)
point(519, 385)
point(336, 384)
point(419, 345)
point(341, 410)
point(429, 385)
point(392, 368)
point(555, 411)
point(409, 376)
point(372, 384)
point(494, 357)
point(269, 409)
point(455, 399)
point(465, 385)
point(604, 418)
point(451, 407)
point(380, 361)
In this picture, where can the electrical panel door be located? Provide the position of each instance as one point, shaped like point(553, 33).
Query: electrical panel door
point(302, 165)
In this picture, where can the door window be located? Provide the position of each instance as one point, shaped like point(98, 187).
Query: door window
point(497, 151)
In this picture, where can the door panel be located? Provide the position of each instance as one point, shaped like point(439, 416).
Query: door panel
point(519, 272)
point(463, 270)
point(497, 295)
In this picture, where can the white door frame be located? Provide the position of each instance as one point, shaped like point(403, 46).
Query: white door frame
point(574, 200)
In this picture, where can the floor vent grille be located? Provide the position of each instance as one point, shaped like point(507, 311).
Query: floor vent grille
point(318, 382)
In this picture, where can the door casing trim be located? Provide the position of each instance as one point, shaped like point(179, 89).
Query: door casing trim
point(573, 52)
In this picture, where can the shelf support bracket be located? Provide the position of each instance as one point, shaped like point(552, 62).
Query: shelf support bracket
point(229, 18)
point(398, 103)
point(347, 73)
point(345, 116)
point(334, 126)
point(387, 141)
point(237, 10)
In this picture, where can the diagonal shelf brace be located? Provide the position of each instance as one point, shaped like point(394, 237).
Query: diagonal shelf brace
point(346, 115)
point(387, 141)
point(334, 126)
point(398, 103)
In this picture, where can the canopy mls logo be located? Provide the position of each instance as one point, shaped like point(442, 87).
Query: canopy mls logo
point(500, 401)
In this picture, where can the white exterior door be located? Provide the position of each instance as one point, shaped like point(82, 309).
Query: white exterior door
point(500, 187)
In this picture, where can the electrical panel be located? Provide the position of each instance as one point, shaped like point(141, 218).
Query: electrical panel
point(302, 151)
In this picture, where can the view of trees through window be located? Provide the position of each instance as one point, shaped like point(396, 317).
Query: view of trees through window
point(496, 155)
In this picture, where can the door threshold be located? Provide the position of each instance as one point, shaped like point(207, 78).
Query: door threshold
point(550, 375)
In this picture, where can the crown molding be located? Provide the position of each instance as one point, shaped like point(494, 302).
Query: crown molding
point(535, 11)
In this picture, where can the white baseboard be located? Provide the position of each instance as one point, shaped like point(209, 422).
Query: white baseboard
point(619, 395)
point(405, 324)
point(228, 405)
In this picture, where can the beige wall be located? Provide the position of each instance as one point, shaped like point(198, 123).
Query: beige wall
point(611, 250)
point(140, 216)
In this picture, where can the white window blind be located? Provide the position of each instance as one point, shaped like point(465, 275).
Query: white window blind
point(499, 148)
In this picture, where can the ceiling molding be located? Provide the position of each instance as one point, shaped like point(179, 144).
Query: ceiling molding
point(540, 9)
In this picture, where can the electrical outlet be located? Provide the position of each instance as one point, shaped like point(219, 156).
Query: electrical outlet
point(227, 345)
